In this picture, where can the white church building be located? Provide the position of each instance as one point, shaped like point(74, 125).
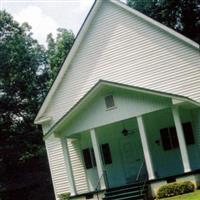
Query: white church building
point(122, 117)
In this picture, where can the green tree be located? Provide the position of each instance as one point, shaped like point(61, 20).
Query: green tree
point(58, 49)
point(181, 15)
point(26, 70)
point(23, 77)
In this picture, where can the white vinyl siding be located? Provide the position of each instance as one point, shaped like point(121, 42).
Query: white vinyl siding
point(57, 165)
point(123, 48)
point(58, 168)
point(77, 167)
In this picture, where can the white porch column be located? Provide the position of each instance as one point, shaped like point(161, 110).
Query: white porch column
point(68, 165)
point(97, 154)
point(181, 139)
point(145, 147)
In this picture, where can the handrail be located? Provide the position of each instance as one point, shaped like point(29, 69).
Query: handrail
point(139, 171)
point(98, 182)
point(98, 185)
point(144, 183)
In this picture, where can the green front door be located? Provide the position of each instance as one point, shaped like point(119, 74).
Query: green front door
point(132, 157)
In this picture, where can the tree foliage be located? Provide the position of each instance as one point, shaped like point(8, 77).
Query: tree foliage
point(26, 71)
point(23, 77)
point(181, 15)
point(58, 49)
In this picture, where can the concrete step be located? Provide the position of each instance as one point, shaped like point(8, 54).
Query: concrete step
point(138, 197)
point(136, 184)
point(127, 192)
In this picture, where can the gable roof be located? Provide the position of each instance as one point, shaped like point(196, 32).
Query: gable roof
point(82, 33)
point(102, 84)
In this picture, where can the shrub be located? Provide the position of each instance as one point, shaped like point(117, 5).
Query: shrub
point(173, 189)
point(64, 196)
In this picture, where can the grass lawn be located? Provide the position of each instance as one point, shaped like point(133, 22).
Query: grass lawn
point(190, 196)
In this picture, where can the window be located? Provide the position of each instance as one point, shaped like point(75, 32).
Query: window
point(169, 136)
point(105, 150)
point(188, 133)
point(165, 138)
point(109, 101)
point(89, 159)
point(174, 138)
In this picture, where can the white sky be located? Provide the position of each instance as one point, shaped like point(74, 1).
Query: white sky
point(45, 16)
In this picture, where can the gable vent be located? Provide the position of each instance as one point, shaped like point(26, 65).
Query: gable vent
point(109, 101)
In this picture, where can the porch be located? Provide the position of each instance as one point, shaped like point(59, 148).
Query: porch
point(127, 132)
point(156, 145)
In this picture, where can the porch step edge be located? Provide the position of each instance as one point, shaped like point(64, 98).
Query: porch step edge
point(137, 184)
point(138, 197)
point(129, 193)
point(123, 195)
point(135, 188)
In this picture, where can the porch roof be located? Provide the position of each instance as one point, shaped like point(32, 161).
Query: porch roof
point(103, 84)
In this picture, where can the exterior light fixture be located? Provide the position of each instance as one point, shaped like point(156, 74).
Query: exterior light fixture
point(125, 132)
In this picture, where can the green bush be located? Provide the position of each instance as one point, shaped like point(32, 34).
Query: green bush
point(64, 196)
point(173, 189)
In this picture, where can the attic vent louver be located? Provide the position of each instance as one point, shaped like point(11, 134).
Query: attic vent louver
point(109, 101)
